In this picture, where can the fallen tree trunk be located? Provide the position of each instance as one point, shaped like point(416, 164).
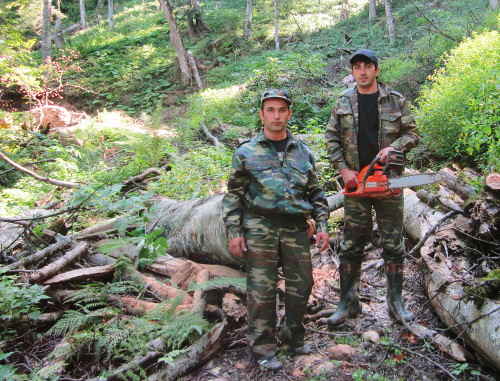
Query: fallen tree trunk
point(478, 326)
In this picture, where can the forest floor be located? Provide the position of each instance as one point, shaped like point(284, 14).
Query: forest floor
point(399, 355)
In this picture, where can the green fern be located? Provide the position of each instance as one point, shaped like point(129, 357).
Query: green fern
point(220, 282)
point(73, 321)
point(189, 326)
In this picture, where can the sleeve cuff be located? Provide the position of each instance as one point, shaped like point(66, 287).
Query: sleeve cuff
point(321, 227)
point(234, 232)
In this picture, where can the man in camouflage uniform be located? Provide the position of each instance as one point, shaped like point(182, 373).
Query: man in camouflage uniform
point(368, 120)
point(272, 191)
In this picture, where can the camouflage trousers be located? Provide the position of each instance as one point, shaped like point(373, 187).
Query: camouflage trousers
point(269, 247)
point(358, 228)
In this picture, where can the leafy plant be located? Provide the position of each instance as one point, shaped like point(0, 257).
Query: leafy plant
point(458, 113)
point(18, 301)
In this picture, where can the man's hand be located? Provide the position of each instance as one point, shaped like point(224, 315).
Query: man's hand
point(322, 239)
point(383, 153)
point(237, 246)
point(349, 177)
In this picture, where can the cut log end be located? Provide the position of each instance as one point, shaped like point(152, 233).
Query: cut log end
point(492, 183)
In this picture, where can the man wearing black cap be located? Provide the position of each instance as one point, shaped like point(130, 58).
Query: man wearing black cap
point(271, 192)
point(369, 119)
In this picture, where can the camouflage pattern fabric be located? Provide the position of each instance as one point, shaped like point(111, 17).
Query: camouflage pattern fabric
point(397, 126)
point(268, 202)
point(358, 227)
point(270, 247)
point(283, 192)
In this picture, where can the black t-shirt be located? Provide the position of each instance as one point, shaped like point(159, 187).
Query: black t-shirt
point(368, 128)
point(280, 146)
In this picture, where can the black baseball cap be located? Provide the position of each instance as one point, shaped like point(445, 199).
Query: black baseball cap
point(365, 53)
point(283, 94)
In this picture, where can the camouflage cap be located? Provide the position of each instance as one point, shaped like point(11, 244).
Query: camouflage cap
point(283, 94)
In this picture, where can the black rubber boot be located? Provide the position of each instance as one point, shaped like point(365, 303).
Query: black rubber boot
point(349, 306)
point(394, 272)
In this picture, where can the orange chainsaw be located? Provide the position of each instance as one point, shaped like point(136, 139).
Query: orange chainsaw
point(385, 181)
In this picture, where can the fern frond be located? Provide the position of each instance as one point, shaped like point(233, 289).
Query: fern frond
point(184, 327)
point(219, 282)
point(114, 244)
point(171, 356)
point(162, 313)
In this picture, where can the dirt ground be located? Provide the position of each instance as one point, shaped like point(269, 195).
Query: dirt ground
point(399, 355)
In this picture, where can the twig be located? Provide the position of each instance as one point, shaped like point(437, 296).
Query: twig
point(437, 30)
point(32, 163)
point(431, 231)
point(329, 333)
point(452, 377)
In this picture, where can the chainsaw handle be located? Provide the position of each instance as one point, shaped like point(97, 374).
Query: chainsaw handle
point(368, 172)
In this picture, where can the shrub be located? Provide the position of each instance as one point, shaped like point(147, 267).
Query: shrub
point(458, 112)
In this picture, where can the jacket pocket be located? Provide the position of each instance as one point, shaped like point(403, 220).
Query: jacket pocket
point(300, 173)
point(391, 122)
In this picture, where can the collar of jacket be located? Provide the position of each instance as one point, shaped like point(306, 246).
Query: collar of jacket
point(383, 89)
point(291, 137)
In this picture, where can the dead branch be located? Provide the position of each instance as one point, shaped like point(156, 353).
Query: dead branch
point(82, 275)
point(56, 266)
point(194, 69)
point(140, 177)
point(20, 168)
point(430, 232)
point(436, 28)
point(208, 134)
point(62, 242)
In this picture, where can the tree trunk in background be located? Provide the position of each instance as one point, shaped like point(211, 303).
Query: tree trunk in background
point(100, 4)
point(344, 10)
point(59, 40)
point(199, 25)
point(390, 21)
point(276, 29)
point(82, 14)
point(177, 41)
point(372, 14)
point(46, 35)
point(248, 20)
point(494, 4)
point(111, 21)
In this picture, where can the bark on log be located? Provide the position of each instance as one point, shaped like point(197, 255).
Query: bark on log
point(194, 230)
point(479, 327)
point(452, 180)
point(199, 353)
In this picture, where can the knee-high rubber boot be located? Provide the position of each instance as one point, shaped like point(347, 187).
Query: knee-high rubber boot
point(350, 275)
point(394, 272)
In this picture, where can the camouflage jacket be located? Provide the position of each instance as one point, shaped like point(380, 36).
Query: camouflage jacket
point(397, 127)
point(284, 193)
